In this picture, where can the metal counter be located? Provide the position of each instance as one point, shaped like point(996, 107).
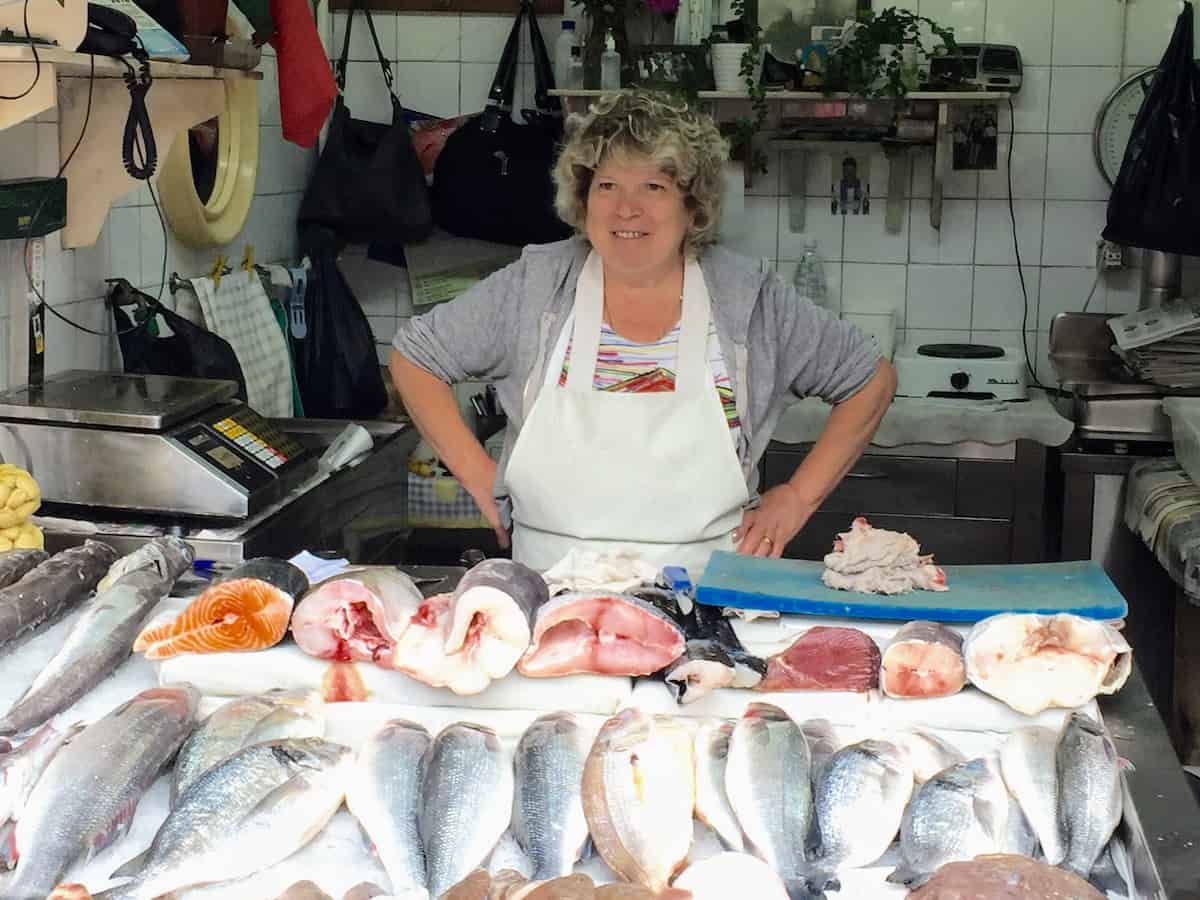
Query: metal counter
point(1162, 817)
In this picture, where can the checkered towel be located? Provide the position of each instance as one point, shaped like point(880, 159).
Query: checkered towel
point(239, 311)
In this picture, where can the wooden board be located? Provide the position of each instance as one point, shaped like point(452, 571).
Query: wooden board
point(976, 592)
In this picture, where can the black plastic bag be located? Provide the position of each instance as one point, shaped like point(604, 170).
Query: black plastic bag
point(1156, 201)
point(336, 364)
point(189, 352)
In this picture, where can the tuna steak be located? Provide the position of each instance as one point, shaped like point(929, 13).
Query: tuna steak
point(825, 659)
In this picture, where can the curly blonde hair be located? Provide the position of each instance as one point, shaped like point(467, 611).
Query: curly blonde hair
point(683, 143)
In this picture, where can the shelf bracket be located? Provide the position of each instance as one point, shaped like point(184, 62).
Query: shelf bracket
point(96, 176)
point(941, 164)
point(795, 169)
point(16, 78)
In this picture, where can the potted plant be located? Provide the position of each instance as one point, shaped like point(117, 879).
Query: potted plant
point(879, 57)
point(736, 50)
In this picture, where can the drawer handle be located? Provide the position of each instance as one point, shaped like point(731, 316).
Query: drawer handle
point(869, 475)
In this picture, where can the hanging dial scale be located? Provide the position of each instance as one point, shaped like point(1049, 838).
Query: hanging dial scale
point(1114, 122)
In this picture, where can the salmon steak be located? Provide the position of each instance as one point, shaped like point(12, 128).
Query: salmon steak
point(249, 610)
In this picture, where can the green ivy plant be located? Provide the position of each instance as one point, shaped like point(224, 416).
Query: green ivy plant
point(856, 66)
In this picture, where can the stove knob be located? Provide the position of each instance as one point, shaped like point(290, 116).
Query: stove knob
point(960, 380)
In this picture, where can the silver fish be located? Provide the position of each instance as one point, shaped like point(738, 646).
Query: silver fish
point(15, 563)
point(928, 753)
point(548, 820)
point(639, 794)
point(958, 814)
point(273, 715)
point(1089, 779)
point(250, 812)
point(1027, 761)
point(712, 803)
point(466, 802)
point(384, 794)
point(768, 782)
point(822, 744)
point(89, 792)
point(102, 638)
point(858, 805)
point(53, 589)
point(20, 768)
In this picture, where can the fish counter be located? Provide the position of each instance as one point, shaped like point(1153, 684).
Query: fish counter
point(473, 736)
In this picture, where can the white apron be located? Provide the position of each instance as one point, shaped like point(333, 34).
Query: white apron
point(655, 474)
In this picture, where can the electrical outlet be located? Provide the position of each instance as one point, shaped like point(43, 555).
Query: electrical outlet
point(1112, 256)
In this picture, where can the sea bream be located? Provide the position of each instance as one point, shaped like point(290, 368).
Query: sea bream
point(712, 803)
point(1089, 789)
point(601, 632)
point(51, 590)
point(384, 794)
point(248, 813)
point(101, 639)
point(1027, 762)
point(639, 793)
point(273, 715)
point(89, 792)
point(548, 820)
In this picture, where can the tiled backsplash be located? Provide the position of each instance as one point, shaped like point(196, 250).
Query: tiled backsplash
point(131, 242)
point(959, 283)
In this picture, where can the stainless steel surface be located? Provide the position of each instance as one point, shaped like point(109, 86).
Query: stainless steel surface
point(1081, 351)
point(128, 470)
point(1162, 278)
point(115, 400)
point(1121, 418)
point(359, 512)
point(1162, 818)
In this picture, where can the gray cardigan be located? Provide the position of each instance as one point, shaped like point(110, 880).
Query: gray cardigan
point(774, 342)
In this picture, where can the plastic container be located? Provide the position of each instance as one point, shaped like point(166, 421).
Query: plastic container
point(809, 279)
point(1184, 413)
point(562, 54)
point(610, 65)
point(575, 70)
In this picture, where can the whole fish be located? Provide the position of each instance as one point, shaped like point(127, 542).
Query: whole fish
point(1027, 762)
point(466, 802)
point(928, 753)
point(548, 820)
point(15, 563)
point(102, 638)
point(1089, 779)
point(958, 814)
point(768, 782)
point(54, 588)
point(20, 768)
point(384, 794)
point(274, 715)
point(639, 793)
point(712, 803)
point(822, 744)
point(89, 792)
point(250, 812)
point(859, 802)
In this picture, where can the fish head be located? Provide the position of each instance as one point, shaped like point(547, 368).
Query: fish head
point(309, 754)
point(626, 730)
point(1081, 721)
point(183, 700)
point(887, 755)
point(470, 732)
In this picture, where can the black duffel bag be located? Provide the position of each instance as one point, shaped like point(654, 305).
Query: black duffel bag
point(492, 179)
point(368, 184)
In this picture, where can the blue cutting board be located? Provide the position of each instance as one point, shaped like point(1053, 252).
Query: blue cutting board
point(976, 592)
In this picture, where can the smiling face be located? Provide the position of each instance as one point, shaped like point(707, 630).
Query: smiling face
point(636, 218)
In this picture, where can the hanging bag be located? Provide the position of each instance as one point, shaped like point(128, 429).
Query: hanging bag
point(492, 179)
point(1156, 201)
point(368, 184)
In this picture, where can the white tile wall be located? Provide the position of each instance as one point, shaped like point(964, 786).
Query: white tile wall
point(131, 242)
point(961, 280)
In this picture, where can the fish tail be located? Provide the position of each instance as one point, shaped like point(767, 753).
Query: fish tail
point(8, 844)
point(906, 875)
point(800, 889)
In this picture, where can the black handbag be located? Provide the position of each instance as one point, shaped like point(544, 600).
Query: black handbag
point(492, 179)
point(1155, 202)
point(368, 184)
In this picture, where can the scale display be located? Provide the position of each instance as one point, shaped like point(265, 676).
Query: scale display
point(242, 444)
point(1114, 123)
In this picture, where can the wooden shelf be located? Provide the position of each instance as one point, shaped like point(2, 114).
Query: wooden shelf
point(780, 96)
point(181, 96)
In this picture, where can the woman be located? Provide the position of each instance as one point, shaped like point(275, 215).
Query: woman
point(642, 368)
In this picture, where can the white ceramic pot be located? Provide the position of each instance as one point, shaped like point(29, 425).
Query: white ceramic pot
point(727, 66)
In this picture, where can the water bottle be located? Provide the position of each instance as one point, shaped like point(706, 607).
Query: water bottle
point(610, 65)
point(562, 54)
point(810, 275)
point(575, 70)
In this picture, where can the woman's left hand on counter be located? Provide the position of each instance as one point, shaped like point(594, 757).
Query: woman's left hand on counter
point(767, 529)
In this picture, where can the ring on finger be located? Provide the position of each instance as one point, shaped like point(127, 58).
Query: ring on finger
point(767, 541)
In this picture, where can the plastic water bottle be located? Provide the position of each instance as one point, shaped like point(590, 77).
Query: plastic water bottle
point(562, 54)
point(610, 65)
point(810, 275)
point(575, 70)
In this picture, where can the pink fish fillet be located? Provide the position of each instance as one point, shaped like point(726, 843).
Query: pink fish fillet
point(825, 659)
point(603, 633)
point(924, 659)
point(358, 615)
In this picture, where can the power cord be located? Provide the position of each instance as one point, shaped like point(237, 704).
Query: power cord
point(37, 60)
point(1012, 215)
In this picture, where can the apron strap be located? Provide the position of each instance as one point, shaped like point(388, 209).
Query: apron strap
point(589, 313)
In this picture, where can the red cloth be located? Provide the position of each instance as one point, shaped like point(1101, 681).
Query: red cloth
point(306, 86)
